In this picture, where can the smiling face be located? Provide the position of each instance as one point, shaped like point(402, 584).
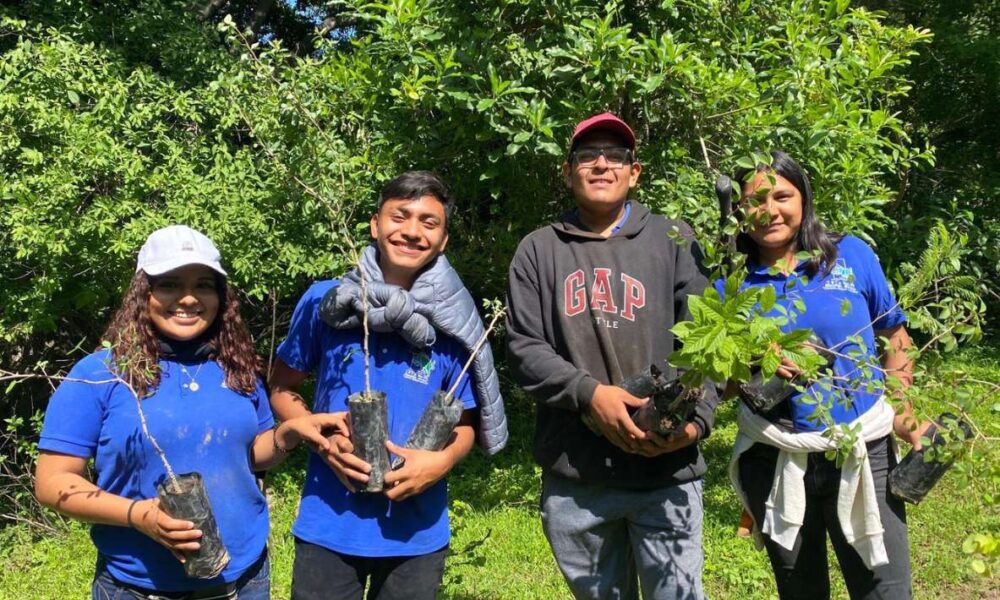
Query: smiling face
point(183, 303)
point(774, 207)
point(409, 234)
point(602, 186)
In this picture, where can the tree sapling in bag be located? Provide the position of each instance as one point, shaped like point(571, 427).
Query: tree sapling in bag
point(185, 497)
point(919, 471)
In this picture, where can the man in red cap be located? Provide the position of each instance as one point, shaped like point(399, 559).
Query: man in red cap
point(591, 300)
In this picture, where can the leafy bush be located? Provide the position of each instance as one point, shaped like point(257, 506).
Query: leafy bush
point(277, 156)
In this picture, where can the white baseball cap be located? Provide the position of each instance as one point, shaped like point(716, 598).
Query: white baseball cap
point(176, 246)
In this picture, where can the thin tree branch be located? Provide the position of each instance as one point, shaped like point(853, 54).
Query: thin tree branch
point(475, 351)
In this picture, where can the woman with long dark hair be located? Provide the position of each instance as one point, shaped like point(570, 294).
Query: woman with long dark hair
point(794, 494)
point(178, 382)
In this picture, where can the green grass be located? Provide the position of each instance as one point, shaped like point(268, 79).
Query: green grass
point(499, 551)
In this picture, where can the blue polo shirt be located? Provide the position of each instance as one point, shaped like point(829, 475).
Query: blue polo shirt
point(369, 524)
point(210, 431)
point(842, 308)
point(621, 222)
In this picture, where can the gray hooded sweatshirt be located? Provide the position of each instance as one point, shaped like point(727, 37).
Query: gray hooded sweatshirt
point(584, 310)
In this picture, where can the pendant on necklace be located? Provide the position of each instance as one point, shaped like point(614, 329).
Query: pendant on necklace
point(194, 386)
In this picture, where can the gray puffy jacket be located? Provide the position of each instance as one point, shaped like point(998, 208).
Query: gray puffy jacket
point(437, 300)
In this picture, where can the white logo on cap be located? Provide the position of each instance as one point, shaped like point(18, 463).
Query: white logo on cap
point(188, 246)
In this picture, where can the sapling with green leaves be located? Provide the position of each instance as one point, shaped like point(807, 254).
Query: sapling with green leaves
point(728, 338)
point(731, 338)
point(368, 409)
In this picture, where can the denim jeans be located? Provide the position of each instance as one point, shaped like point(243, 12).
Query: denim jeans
point(322, 574)
point(604, 539)
point(255, 584)
point(803, 572)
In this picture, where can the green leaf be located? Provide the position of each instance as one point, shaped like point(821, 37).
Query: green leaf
point(767, 298)
point(978, 566)
point(522, 137)
point(970, 545)
point(696, 306)
point(733, 283)
point(550, 148)
point(770, 362)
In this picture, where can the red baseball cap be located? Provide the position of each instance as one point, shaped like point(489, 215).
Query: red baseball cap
point(604, 122)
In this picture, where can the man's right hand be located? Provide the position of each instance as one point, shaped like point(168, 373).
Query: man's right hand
point(350, 469)
point(609, 409)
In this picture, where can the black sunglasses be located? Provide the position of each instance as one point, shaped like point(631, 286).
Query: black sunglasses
point(616, 156)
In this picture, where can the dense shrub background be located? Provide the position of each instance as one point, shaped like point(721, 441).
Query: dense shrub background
point(119, 117)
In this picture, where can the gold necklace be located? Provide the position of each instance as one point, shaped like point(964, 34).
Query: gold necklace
point(193, 386)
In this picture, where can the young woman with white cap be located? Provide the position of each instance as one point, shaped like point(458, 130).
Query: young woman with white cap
point(179, 345)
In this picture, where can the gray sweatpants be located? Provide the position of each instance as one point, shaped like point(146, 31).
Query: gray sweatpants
point(602, 538)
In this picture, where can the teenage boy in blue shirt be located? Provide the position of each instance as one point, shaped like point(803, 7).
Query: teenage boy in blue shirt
point(395, 542)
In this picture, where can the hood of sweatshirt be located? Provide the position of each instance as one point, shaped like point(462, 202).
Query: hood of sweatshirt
point(569, 224)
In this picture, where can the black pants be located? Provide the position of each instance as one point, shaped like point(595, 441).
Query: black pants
point(802, 572)
point(321, 574)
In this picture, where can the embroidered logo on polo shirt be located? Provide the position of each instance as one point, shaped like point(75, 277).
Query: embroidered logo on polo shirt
point(841, 278)
point(421, 367)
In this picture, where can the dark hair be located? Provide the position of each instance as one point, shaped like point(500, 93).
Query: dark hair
point(412, 185)
point(135, 344)
point(812, 236)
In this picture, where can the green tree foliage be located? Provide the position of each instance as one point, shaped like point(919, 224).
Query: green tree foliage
point(97, 154)
point(952, 106)
point(160, 33)
point(490, 97)
point(128, 116)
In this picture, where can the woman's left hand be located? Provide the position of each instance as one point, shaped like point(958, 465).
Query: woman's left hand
point(313, 428)
point(909, 430)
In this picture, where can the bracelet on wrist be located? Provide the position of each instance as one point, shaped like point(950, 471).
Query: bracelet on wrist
point(274, 441)
point(128, 515)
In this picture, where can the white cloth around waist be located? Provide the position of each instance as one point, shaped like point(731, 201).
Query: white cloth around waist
point(784, 512)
